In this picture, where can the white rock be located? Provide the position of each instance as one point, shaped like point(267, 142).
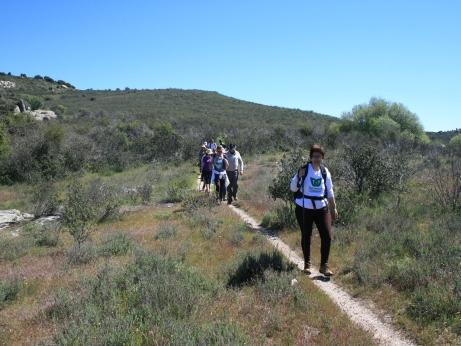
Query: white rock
point(7, 84)
point(11, 216)
point(42, 114)
point(294, 282)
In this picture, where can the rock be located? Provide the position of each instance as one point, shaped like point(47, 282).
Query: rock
point(42, 114)
point(47, 219)
point(22, 106)
point(7, 84)
point(16, 109)
point(12, 216)
point(294, 282)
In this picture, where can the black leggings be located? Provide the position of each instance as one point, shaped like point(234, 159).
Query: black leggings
point(322, 220)
point(221, 187)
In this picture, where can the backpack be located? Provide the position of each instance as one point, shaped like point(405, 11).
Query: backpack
point(300, 194)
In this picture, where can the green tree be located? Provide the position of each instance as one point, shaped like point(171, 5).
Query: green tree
point(280, 187)
point(385, 119)
point(79, 213)
point(455, 144)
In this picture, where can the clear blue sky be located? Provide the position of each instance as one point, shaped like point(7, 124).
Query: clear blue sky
point(324, 55)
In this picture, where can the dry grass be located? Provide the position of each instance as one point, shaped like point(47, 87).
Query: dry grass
point(46, 270)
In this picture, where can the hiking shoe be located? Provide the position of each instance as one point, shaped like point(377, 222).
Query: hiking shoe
point(325, 270)
point(307, 269)
point(229, 201)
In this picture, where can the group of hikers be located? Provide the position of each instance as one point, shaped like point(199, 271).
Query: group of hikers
point(220, 165)
point(311, 184)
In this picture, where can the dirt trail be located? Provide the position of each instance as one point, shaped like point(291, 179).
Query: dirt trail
point(383, 332)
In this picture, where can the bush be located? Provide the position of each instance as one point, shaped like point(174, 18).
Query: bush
point(251, 268)
point(455, 144)
point(115, 244)
point(280, 187)
point(384, 119)
point(34, 101)
point(177, 191)
point(81, 253)
point(105, 199)
point(79, 214)
point(9, 290)
point(145, 191)
point(45, 200)
point(276, 287)
point(11, 249)
point(153, 299)
point(282, 216)
point(166, 230)
point(446, 185)
point(46, 234)
point(195, 201)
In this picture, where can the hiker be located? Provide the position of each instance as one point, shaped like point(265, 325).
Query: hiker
point(219, 176)
point(235, 166)
point(213, 146)
point(315, 202)
point(201, 154)
point(221, 143)
point(207, 170)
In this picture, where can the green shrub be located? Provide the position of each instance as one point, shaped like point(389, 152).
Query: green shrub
point(251, 268)
point(166, 230)
point(46, 234)
point(79, 214)
point(9, 290)
point(45, 200)
point(282, 216)
point(105, 200)
point(81, 253)
point(237, 238)
point(115, 244)
point(276, 287)
point(153, 299)
point(177, 191)
point(435, 302)
point(195, 201)
point(14, 248)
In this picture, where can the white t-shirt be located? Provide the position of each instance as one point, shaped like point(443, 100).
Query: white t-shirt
point(313, 186)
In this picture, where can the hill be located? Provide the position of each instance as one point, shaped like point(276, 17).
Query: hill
point(182, 108)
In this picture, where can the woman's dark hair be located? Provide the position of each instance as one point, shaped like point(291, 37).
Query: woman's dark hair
point(317, 148)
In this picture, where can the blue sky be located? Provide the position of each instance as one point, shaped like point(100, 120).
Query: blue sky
point(325, 56)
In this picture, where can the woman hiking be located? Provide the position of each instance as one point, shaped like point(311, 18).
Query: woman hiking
point(219, 177)
point(315, 202)
point(207, 169)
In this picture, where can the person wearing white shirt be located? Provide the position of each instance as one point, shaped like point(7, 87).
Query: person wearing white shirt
point(235, 166)
point(315, 202)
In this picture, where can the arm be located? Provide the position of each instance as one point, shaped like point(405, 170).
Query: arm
point(241, 163)
point(294, 183)
point(331, 197)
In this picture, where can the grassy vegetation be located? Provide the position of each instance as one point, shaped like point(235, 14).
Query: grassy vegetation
point(118, 165)
point(407, 264)
point(161, 275)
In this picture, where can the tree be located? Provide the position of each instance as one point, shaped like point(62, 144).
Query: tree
point(4, 142)
point(280, 187)
point(79, 213)
point(455, 144)
point(385, 119)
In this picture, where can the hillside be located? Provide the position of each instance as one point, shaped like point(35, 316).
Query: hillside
point(182, 108)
